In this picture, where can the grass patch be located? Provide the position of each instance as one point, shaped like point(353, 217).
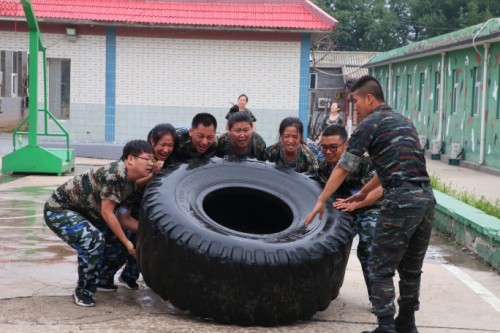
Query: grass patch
point(479, 202)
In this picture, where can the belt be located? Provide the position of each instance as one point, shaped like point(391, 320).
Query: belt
point(404, 183)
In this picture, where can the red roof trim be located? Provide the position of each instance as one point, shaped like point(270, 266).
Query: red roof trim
point(263, 14)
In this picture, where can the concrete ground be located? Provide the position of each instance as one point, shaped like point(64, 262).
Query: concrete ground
point(466, 180)
point(38, 274)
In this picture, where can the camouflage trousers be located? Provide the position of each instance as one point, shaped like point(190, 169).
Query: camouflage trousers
point(365, 228)
point(131, 270)
point(401, 240)
point(98, 250)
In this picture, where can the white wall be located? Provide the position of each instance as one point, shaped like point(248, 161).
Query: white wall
point(181, 77)
point(170, 80)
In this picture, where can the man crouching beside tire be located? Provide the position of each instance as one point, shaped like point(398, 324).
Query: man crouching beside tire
point(81, 213)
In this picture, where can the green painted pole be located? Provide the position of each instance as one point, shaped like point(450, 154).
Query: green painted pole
point(34, 47)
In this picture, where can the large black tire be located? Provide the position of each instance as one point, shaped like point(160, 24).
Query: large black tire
point(227, 240)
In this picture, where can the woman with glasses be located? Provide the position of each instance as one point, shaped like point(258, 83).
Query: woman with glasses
point(291, 150)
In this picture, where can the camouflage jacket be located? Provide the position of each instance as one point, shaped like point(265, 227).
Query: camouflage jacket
point(306, 161)
point(256, 147)
point(392, 142)
point(84, 193)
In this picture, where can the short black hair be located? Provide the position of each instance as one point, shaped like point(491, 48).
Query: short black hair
point(367, 84)
point(205, 119)
point(234, 109)
point(237, 117)
point(136, 147)
point(334, 130)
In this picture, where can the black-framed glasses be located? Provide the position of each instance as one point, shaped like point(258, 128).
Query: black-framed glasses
point(332, 148)
point(150, 161)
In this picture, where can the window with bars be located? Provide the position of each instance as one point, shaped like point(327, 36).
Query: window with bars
point(476, 92)
point(408, 91)
point(396, 92)
point(455, 93)
point(313, 81)
point(437, 90)
point(421, 92)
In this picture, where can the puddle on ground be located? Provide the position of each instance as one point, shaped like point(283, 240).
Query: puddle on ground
point(4, 179)
point(444, 251)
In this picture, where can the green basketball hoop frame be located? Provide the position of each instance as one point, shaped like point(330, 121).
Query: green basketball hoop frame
point(32, 158)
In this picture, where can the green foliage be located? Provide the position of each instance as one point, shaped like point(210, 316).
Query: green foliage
point(480, 203)
point(382, 25)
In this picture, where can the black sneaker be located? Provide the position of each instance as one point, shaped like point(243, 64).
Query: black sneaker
point(129, 283)
point(83, 300)
point(106, 287)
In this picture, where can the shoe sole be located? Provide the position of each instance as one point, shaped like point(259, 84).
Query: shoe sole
point(106, 290)
point(77, 302)
point(123, 283)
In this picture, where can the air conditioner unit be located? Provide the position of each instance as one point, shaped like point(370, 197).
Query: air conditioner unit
point(322, 103)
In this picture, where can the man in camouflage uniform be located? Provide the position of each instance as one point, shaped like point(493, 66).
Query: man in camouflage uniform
point(405, 221)
point(199, 140)
point(82, 213)
point(333, 145)
point(241, 141)
point(291, 133)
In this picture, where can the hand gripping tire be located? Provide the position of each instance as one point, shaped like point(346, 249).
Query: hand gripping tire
point(226, 240)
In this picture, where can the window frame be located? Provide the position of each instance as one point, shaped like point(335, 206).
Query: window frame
point(437, 90)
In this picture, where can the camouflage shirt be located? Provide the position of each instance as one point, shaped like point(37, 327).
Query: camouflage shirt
point(305, 162)
point(186, 151)
point(85, 192)
point(355, 180)
point(256, 147)
point(392, 143)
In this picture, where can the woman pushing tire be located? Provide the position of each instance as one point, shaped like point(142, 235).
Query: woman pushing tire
point(226, 239)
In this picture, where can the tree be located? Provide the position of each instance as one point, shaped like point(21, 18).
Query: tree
point(382, 25)
point(367, 25)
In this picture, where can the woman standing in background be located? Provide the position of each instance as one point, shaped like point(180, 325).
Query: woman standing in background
point(241, 106)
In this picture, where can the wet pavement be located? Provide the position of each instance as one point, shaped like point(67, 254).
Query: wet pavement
point(38, 273)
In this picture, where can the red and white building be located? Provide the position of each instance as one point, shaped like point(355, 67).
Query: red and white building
point(118, 67)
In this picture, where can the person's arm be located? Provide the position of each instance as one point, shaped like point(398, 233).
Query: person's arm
point(142, 182)
point(337, 177)
point(361, 195)
point(108, 214)
point(372, 196)
point(127, 221)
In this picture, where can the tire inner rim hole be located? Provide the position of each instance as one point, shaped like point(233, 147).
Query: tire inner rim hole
point(248, 210)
